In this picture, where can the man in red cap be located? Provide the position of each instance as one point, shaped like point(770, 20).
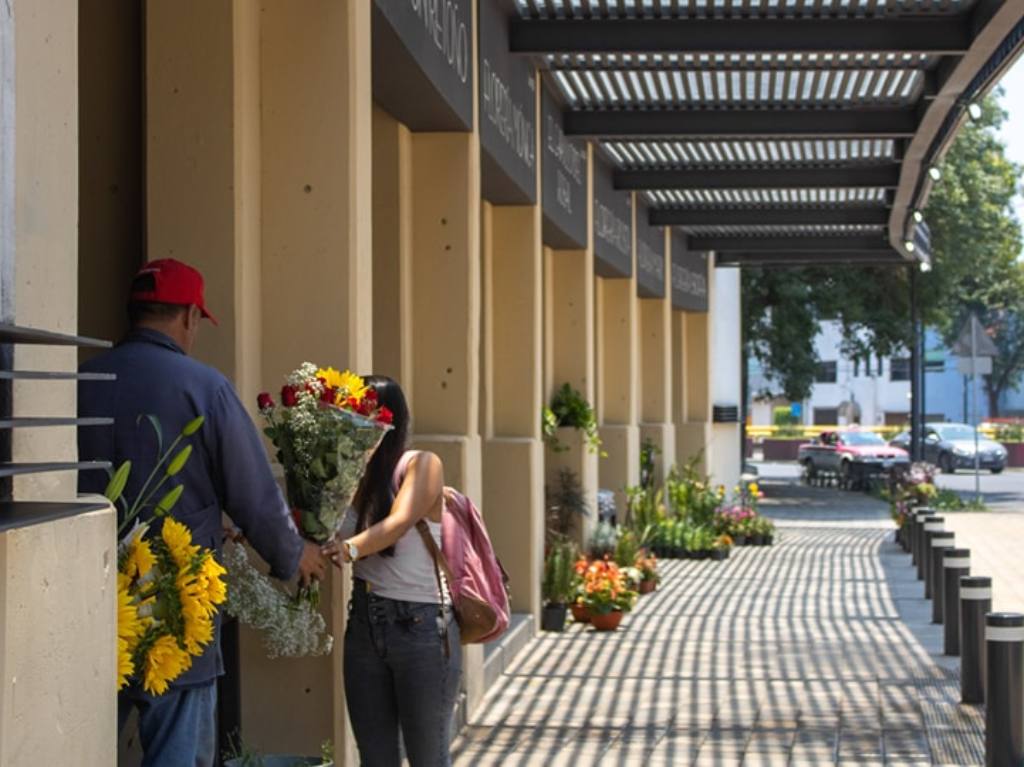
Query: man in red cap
point(228, 472)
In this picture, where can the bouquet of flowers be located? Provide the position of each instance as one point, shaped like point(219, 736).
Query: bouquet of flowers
point(168, 588)
point(325, 429)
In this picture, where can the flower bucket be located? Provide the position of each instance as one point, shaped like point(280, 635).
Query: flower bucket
point(580, 614)
point(606, 621)
point(646, 587)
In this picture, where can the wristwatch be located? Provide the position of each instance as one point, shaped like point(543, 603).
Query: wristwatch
point(351, 550)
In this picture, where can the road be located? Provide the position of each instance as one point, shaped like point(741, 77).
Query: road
point(1001, 492)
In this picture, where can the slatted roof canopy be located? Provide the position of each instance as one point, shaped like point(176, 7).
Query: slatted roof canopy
point(774, 131)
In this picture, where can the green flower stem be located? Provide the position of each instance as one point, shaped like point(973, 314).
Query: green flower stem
point(143, 498)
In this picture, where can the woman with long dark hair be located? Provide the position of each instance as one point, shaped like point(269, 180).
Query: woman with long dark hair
point(402, 650)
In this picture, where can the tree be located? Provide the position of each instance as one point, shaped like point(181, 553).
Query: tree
point(976, 241)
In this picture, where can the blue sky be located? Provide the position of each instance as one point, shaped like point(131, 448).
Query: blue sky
point(1013, 128)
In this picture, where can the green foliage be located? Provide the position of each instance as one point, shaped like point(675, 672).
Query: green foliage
point(648, 457)
point(566, 506)
point(1010, 432)
point(691, 495)
point(626, 549)
point(646, 509)
point(559, 584)
point(570, 408)
point(783, 416)
point(949, 500)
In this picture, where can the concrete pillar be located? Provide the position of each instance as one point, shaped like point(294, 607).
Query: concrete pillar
point(513, 369)
point(259, 172)
point(618, 384)
point(693, 433)
point(725, 367)
point(57, 588)
point(392, 249)
point(569, 348)
point(656, 373)
point(679, 405)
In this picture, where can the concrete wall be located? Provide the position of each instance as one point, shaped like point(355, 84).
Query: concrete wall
point(57, 590)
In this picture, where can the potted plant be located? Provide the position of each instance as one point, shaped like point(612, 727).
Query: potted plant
point(603, 540)
point(647, 564)
point(567, 506)
point(721, 547)
point(559, 585)
point(606, 594)
point(569, 408)
point(767, 528)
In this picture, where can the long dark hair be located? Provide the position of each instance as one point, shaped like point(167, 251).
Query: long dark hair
point(375, 495)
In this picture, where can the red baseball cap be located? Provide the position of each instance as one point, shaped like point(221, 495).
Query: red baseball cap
point(174, 283)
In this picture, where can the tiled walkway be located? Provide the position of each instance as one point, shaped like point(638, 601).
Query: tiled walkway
point(815, 651)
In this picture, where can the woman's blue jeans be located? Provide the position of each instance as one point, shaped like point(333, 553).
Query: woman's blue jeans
point(399, 678)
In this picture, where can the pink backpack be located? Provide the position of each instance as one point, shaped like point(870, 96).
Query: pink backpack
point(477, 581)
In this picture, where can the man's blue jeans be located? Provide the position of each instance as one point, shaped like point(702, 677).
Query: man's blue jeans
point(176, 729)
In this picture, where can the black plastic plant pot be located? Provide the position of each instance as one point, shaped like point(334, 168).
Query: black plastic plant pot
point(769, 540)
point(552, 617)
point(757, 540)
point(740, 540)
point(719, 554)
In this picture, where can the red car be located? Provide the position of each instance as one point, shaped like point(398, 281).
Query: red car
point(851, 454)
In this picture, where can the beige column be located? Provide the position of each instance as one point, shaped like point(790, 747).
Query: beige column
point(57, 589)
point(569, 294)
point(693, 434)
point(656, 373)
point(513, 450)
point(618, 380)
point(392, 249)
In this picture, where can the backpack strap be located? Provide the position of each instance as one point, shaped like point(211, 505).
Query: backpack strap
point(440, 564)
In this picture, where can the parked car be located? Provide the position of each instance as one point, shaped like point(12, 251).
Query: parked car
point(851, 454)
point(950, 446)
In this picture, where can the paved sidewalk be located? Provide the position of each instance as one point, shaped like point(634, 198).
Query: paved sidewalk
point(995, 540)
point(815, 651)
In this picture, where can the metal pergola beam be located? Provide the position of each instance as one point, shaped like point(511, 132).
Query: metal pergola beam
point(871, 258)
point(742, 123)
point(944, 36)
point(799, 244)
point(768, 216)
point(884, 176)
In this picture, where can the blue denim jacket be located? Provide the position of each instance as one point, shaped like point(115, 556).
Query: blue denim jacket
point(228, 469)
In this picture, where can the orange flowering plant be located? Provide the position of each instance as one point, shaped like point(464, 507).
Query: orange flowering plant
point(605, 588)
point(647, 564)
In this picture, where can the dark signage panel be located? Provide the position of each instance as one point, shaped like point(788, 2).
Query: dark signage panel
point(508, 112)
point(423, 62)
point(650, 255)
point(613, 225)
point(689, 277)
point(563, 180)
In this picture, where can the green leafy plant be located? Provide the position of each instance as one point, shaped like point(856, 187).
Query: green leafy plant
point(559, 585)
point(691, 494)
point(646, 509)
point(566, 506)
point(626, 549)
point(1010, 432)
point(649, 452)
point(569, 408)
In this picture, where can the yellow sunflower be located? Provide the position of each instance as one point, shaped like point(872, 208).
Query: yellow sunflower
point(179, 542)
point(125, 666)
point(348, 383)
point(139, 560)
point(165, 662)
point(129, 625)
point(211, 579)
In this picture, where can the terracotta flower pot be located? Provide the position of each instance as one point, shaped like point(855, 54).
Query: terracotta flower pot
point(606, 621)
point(646, 587)
point(580, 614)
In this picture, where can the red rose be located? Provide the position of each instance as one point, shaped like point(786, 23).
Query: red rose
point(264, 401)
point(328, 395)
point(385, 416)
point(353, 404)
point(371, 395)
point(289, 396)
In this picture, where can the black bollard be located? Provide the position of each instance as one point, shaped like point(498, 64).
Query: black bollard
point(1004, 707)
point(918, 533)
point(941, 543)
point(956, 563)
point(975, 603)
point(924, 565)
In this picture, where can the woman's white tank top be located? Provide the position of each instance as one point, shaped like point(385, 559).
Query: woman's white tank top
point(408, 576)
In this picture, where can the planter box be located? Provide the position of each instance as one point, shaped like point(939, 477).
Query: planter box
point(781, 449)
point(1014, 454)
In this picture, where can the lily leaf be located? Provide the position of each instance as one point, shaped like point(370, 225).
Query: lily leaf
point(155, 423)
